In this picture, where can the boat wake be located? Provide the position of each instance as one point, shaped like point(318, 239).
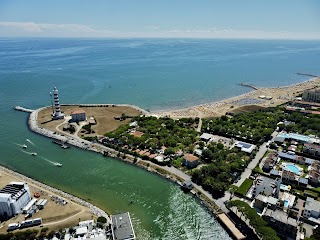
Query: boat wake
point(29, 141)
point(20, 145)
point(53, 163)
point(30, 153)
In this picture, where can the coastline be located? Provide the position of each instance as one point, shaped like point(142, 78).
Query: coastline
point(175, 176)
point(279, 96)
point(94, 209)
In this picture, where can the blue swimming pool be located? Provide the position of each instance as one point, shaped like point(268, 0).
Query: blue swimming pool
point(286, 203)
point(292, 168)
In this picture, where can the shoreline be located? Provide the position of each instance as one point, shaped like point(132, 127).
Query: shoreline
point(94, 209)
point(220, 107)
point(160, 171)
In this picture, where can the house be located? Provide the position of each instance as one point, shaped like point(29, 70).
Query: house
point(312, 95)
point(312, 210)
point(288, 175)
point(262, 201)
point(314, 177)
point(310, 148)
point(284, 225)
point(206, 137)
point(245, 147)
point(295, 158)
point(78, 116)
point(266, 186)
point(190, 160)
point(270, 161)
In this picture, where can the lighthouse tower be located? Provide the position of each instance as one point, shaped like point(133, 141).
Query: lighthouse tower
point(57, 113)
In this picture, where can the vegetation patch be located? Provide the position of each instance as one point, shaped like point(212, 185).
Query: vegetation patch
point(245, 186)
point(261, 227)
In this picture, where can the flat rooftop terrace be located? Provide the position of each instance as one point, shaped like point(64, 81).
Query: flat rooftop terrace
point(122, 227)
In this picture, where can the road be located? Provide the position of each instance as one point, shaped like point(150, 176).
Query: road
point(247, 172)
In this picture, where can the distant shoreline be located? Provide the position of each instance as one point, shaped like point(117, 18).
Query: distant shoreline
point(279, 96)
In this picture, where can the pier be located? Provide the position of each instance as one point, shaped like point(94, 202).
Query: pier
point(249, 85)
point(22, 109)
point(307, 74)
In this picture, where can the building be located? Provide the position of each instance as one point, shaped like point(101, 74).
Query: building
point(13, 198)
point(266, 186)
point(78, 116)
point(270, 161)
point(311, 209)
point(313, 149)
point(312, 95)
point(122, 227)
point(206, 137)
point(283, 224)
point(57, 111)
point(190, 160)
point(288, 175)
point(245, 147)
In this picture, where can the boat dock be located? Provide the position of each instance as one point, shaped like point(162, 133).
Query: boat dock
point(249, 85)
point(22, 109)
point(64, 145)
point(226, 221)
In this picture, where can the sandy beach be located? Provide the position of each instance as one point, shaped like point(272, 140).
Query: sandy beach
point(279, 96)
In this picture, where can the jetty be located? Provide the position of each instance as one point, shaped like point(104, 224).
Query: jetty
point(22, 109)
point(307, 74)
point(249, 85)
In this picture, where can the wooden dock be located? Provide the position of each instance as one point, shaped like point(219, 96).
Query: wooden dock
point(231, 226)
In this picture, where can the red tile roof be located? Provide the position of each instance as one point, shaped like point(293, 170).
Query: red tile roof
point(190, 157)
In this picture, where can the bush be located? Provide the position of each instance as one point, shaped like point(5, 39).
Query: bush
point(101, 219)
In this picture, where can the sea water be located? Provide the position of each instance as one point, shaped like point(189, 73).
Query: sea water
point(154, 74)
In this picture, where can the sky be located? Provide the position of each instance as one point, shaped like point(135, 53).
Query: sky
point(272, 19)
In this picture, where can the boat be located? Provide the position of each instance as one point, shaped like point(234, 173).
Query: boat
point(58, 164)
point(24, 146)
point(34, 154)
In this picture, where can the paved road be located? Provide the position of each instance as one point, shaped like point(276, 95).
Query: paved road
point(247, 172)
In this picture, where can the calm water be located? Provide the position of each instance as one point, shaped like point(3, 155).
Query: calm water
point(154, 74)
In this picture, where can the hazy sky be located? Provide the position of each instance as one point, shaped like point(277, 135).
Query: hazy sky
point(288, 19)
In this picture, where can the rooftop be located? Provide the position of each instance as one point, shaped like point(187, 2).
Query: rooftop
point(245, 147)
point(190, 157)
point(122, 227)
point(312, 204)
point(281, 216)
point(77, 112)
point(206, 136)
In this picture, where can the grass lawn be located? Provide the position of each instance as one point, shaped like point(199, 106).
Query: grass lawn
point(243, 189)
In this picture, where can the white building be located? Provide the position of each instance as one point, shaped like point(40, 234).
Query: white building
point(311, 209)
point(78, 116)
point(13, 198)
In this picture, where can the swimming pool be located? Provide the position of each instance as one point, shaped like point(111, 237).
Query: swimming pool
point(286, 203)
point(292, 168)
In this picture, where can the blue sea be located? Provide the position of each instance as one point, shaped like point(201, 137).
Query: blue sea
point(155, 74)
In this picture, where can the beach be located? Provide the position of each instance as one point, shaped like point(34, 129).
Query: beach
point(279, 95)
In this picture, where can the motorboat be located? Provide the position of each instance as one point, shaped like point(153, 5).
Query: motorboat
point(24, 146)
point(34, 154)
point(58, 164)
